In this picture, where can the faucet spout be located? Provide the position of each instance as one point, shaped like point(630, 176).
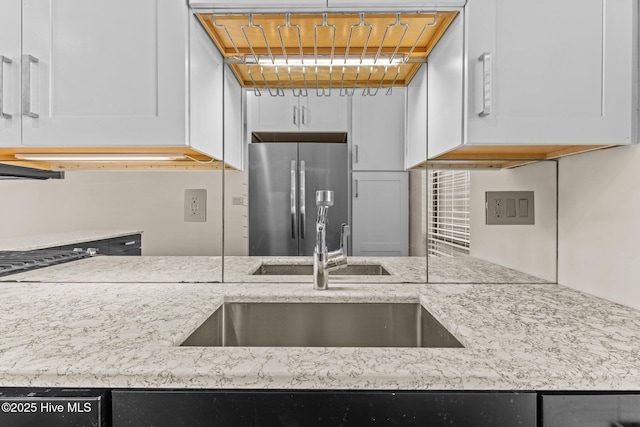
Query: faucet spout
point(323, 260)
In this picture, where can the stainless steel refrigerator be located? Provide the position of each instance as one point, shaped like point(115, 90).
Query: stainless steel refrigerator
point(283, 179)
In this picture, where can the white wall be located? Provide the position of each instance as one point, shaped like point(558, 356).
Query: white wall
point(599, 224)
point(236, 218)
point(527, 248)
point(150, 201)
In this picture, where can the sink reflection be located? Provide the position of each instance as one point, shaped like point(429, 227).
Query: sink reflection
point(322, 325)
point(307, 270)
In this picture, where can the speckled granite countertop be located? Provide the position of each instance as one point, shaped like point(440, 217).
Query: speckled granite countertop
point(525, 337)
point(239, 269)
point(43, 241)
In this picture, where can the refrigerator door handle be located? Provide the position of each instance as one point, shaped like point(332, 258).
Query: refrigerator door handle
point(303, 211)
point(293, 199)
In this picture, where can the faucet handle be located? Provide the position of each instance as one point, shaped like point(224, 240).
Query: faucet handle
point(345, 231)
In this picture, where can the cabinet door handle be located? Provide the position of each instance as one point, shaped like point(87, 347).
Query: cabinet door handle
point(303, 205)
point(3, 60)
point(133, 242)
point(295, 116)
point(27, 60)
point(293, 199)
point(303, 121)
point(485, 58)
point(356, 188)
point(356, 154)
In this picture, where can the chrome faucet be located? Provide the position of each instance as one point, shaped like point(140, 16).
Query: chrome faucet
point(323, 260)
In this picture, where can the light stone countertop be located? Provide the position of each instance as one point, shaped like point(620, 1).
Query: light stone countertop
point(524, 337)
point(239, 269)
point(43, 241)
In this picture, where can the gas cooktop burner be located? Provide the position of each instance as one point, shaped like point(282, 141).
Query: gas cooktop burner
point(12, 262)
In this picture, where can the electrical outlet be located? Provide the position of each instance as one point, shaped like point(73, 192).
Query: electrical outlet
point(195, 205)
point(509, 207)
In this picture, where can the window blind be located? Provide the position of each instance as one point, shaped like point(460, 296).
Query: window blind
point(448, 232)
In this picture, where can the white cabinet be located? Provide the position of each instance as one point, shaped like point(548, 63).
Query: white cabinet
point(289, 5)
point(10, 54)
point(291, 113)
point(104, 73)
point(206, 75)
point(395, 4)
point(445, 91)
point(378, 131)
point(416, 120)
point(553, 72)
point(380, 214)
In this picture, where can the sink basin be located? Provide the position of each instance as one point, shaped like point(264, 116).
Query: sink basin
point(307, 270)
point(321, 325)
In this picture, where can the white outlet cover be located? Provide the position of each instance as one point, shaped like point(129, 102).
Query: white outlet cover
point(195, 205)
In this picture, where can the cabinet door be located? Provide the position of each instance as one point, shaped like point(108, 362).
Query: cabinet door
point(323, 113)
point(395, 4)
point(380, 209)
point(417, 119)
point(272, 113)
point(378, 131)
point(10, 73)
point(445, 91)
point(289, 5)
point(608, 410)
point(108, 73)
point(555, 73)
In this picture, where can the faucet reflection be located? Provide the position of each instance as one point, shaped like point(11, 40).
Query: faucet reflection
point(324, 261)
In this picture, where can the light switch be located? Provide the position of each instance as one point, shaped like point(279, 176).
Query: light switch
point(523, 208)
point(511, 208)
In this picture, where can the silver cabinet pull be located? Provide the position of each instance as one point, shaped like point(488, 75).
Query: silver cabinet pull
point(27, 60)
point(129, 243)
point(357, 151)
point(293, 199)
point(3, 60)
point(485, 58)
point(303, 121)
point(356, 188)
point(295, 116)
point(303, 210)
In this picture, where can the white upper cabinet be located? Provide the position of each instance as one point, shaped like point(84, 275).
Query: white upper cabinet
point(104, 73)
point(445, 91)
point(291, 113)
point(416, 137)
point(206, 75)
point(258, 4)
point(324, 113)
point(391, 5)
point(552, 72)
point(10, 51)
point(378, 131)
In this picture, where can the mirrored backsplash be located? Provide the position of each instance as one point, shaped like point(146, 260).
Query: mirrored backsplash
point(449, 238)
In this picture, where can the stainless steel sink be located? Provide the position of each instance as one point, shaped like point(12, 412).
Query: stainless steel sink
point(307, 270)
point(321, 325)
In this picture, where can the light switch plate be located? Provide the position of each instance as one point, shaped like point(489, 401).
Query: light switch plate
point(509, 208)
point(195, 205)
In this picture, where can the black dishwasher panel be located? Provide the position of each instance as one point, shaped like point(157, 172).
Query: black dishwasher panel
point(591, 410)
point(183, 408)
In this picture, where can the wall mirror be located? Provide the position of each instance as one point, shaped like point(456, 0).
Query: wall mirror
point(441, 210)
point(89, 206)
point(464, 247)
